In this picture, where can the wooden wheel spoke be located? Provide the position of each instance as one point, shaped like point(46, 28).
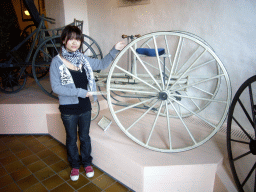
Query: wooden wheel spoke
point(189, 132)
point(155, 121)
point(249, 174)
point(128, 73)
point(141, 62)
point(149, 109)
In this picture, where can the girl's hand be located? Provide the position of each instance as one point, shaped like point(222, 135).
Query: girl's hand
point(88, 94)
point(120, 45)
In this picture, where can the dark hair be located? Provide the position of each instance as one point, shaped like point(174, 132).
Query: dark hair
point(70, 32)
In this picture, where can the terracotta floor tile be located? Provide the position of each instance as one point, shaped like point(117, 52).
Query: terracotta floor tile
point(65, 174)
point(79, 183)
point(15, 166)
point(63, 155)
point(5, 180)
point(44, 138)
point(37, 148)
point(16, 146)
point(5, 153)
point(36, 188)
point(30, 159)
point(37, 135)
point(45, 153)
point(52, 182)
point(8, 138)
point(90, 187)
point(20, 174)
point(52, 159)
point(3, 172)
point(44, 173)
point(51, 142)
point(26, 138)
point(2, 146)
point(24, 154)
point(103, 181)
point(32, 142)
point(7, 160)
point(14, 142)
point(61, 165)
point(27, 182)
point(11, 188)
point(36, 166)
point(64, 187)
point(117, 187)
point(18, 149)
point(58, 148)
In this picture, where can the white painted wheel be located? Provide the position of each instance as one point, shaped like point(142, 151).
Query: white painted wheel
point(178, 100)
point(95, 109)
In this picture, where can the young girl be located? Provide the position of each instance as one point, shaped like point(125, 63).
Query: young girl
point(71, 76)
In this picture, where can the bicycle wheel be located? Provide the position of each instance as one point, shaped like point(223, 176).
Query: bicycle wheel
point(41, 63)
point(95, 108)
point(241, 141)
point(91, 48)
point(44, 55)
point(186, 92)
point(12, 79)
point(149, 44)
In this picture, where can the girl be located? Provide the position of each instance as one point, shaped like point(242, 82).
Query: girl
point(71, 76)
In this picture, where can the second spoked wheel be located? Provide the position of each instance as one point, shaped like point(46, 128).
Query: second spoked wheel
point(169, 101)
point(241, 136)
point(47, 50)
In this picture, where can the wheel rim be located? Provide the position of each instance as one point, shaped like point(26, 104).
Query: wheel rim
point(41, 63)
point(241, 141)
point(95, 109)
point(49, 49)
point(191, 91)
point(12, 79)
point(91, 48)
point(148, 44)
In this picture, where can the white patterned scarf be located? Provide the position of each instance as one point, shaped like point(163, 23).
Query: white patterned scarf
point(79, 60)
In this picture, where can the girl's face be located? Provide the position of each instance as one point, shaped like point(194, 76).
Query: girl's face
point(72, 45)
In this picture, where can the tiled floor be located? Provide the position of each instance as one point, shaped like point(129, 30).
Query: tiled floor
point(38, 163)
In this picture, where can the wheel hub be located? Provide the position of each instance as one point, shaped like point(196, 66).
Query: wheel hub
point(163, 96)
point(252, 146)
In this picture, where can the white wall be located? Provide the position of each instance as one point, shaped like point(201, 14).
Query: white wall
point(65, 11)
point(228, 26)
point(55, 10)
point(76, 9)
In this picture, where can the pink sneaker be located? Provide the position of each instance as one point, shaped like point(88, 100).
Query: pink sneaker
point(89, 171)
point(74, 176)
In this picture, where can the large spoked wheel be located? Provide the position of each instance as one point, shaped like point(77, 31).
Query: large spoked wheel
point(50, 48)
point(178, 100)
point(91, 48)
point(41, 63)
point(241, 141)
point(149, 44)
point(12, 79)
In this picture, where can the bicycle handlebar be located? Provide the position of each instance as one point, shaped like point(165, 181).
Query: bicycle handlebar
point(126, 36)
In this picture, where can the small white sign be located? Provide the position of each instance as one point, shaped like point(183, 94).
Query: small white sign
point(104, 123)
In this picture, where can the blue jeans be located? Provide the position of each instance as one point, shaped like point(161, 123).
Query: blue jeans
point(71, 122)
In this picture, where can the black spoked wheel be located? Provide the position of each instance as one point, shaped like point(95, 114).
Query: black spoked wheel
point(12, 79)
point(49, 49)
point(91, 48)
point(241, 141)
point(41, 63)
